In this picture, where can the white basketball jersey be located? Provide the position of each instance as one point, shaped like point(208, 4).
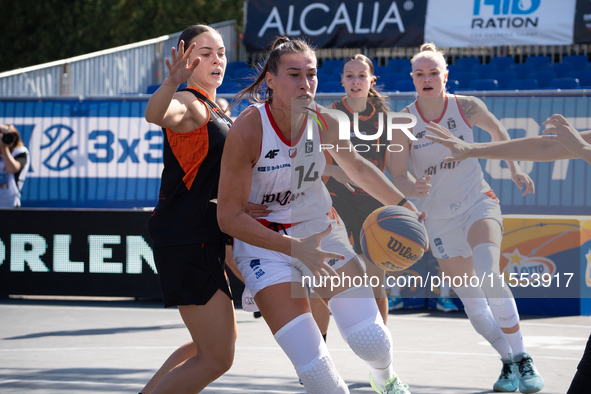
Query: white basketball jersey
point(457, 185)
point(287, 177)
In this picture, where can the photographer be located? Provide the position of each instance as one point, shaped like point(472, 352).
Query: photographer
point(14, 165)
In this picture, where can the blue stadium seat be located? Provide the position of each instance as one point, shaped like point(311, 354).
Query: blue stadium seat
point(389, 79)
point(230, 67)
point(543, 77)
point(404, 86)
point(465, 77)
point(152, 88)
point(522, 69)
point(502, 62)
point(335, 64)
point(330, 87)
point(578, 61)
point(484, 84)
point(564, 83)
point(229, 87)
point(242, 72)
point(484, 70)
point(539, 62)
point(562, 70)
point(503, 77)
point(396, 64)
point(454, 69)
point(523, 84)
point(467, 62)
point(452, 85)
point(584, 77)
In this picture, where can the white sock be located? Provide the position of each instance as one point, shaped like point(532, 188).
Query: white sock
point(516, 342)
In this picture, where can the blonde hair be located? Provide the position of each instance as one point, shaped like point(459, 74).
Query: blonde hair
point(430, 51)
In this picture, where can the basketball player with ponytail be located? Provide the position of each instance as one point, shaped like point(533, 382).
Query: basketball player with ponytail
point(352, 203)
point(464, 221)
point(269, 157)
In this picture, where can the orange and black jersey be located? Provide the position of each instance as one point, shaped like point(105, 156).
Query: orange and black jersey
point(185, 213)
point(368, 124)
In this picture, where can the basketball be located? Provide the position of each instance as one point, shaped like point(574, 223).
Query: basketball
point(393, 238)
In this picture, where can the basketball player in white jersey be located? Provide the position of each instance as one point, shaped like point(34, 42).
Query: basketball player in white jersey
point(269, 159)
point(464, 219)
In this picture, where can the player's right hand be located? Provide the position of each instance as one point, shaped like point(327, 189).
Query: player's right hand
point(422, 186)
point(180, 69)
point(459, 148)
point(309, 252)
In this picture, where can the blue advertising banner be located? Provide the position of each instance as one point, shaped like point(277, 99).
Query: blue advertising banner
point(336, 24)
point(93, 153)
point(88, 153)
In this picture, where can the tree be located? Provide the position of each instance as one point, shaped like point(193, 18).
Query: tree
point(35, 32)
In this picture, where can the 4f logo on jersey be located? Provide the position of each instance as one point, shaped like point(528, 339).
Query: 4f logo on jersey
point(272, 153)
point(309, 147)
point(451, 123)
point(420, 134)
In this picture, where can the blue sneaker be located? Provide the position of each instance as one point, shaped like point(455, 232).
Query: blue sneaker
point(395, 303)
point(392, 386)
point(508, 380)
point(530, 380)
point(446, 304)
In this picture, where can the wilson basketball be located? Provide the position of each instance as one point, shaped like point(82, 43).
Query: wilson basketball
point(393, 238)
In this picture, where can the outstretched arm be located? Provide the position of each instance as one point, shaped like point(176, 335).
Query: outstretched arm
point(568, 137)
point(478, 115)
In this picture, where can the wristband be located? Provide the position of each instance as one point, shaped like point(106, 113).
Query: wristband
point(402, 202)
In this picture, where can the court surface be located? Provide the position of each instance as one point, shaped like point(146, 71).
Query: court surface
point(94, 346)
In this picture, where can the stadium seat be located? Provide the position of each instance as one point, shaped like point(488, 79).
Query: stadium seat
point(502, 62)
point(503, 77)
point(404, 86)
point(564, 83)
point(484, 70)
point(523, 84)
point(454, 69)
point(467, 62)
point(330, 87)
point(229, 87)
point(465, 77)
point(543, 77)
point(388, 80)
point(584, 77)
point(562, 70)
point(242, 72)
point(522, 69)
point(578, 61)
point(396, 64)
point(452, 85)
point(230, 67)
point(152, 88)
point(539, 62)
point(484, 84)
point(335, 64)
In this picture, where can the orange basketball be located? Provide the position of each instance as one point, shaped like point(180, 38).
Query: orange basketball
point(393, 238)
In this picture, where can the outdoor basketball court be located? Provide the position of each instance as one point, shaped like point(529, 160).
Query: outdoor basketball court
point(93, 346)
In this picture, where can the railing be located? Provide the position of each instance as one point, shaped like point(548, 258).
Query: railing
point(127, 69)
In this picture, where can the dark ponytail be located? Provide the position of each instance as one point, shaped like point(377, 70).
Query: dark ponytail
point(279, 47)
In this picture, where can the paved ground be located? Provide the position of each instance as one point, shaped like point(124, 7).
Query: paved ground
point(67, 346)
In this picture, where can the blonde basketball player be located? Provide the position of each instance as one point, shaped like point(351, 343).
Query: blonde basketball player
point(464, 220)
point(267, 157)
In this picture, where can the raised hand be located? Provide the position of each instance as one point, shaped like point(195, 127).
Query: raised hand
point(180, 70)
point(309, 252)
point(459, 148)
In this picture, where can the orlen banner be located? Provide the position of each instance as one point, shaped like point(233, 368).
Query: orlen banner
point(88, 153)
point(336, 24)
point(461, 23)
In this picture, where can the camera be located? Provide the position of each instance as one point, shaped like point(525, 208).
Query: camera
point(8, 138)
